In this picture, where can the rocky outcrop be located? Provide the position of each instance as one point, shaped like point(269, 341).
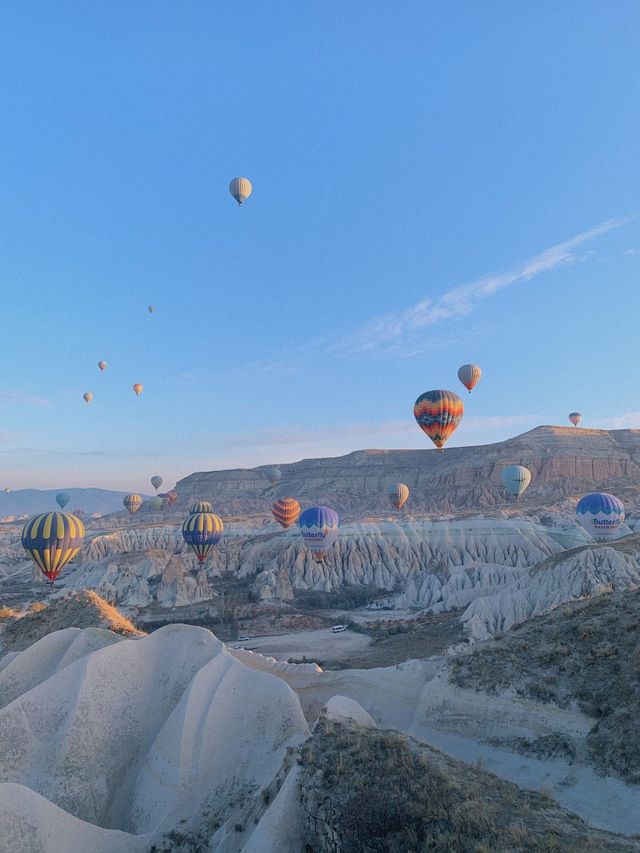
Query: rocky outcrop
point(565, 463)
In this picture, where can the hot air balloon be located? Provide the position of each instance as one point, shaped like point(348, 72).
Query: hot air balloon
point(201, 531)
point(240, 189)
point(601, 515)
point(138, 389)
point(171, 497)
point(575, 418)
point(88, 396)
point(469, 375)
point(62, 499)
point(319, 528)
point(132, 502)
point(515, 479)
point(151, 308)
point(51, 539)
point(438, 414)
point(273, 474)
point(79, 513)
point(155, 503)
point(398, 494)
point(286, 511)
point(156, 481)
point(102, 365)
point(201, 506)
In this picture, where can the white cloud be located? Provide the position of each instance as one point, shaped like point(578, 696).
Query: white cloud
point(389, 329)
point(629, 420)
point(18, 399)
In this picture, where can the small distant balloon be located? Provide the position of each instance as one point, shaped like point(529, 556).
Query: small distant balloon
point(240, 189)
point(516, 479)
point(156, 481)
point(319, 529)
point(51, 540)
point(132, 503)
point(286, 511)
point(575, 418)
point(155, 503)
point(438, 414)
point(102, 365)
point(273, 474)
point(151, 308)
point(601, 515)
point(171, 497)
point(202, 531)
point(62, 499)
point(469, 375)
point(138, 389)
point(398, 494)
point(87, 396)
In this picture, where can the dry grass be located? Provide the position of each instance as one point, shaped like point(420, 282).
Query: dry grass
point(385, 792)
point(84, 609)
point(584, 655)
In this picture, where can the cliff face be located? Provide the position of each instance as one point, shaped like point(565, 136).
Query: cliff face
point(564, 462)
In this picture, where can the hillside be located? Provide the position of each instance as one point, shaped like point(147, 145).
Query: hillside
point(23, 502)
point(565, 462)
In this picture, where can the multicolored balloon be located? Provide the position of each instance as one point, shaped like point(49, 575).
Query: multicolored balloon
point(575, 418)
point(240, 189)
point(319, 528)
point(171, 497)
point(137, 388)
point(102, 365)
point(398, 494)
point(201, 531)
point(286, 511)
point(273, 474)
point(132, 502)
point(62, 499)
point(87, 396)
point(516, 479)
point(601, 515)
point(438, 413)
point(469, 375)
point(156, 481)
point(201, 506)
point(51, 540)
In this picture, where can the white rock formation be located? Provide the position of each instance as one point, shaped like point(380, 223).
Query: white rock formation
point(167, 733)
point(590, 571)
point(341, 709)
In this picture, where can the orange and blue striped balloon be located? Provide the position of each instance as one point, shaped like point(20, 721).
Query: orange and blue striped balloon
point(438, 413)
point(201, 531)
point(51, 539)
point(286, 511)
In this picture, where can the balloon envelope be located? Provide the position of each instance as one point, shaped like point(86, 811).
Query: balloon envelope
point(240, 189)
point(438, 414)
point(286, 511)
point(156, 481)
point(151, 308)
point(171, 496)
point(273, 474)
point(155, 503)
point(601, 515)
point(201, 531)
point(62, 499)
point(87, 396)
point(201, 506)
point(102, 365)
point(516, 479)
point(469, 375)
point(575, 418)
point(398, 494)
point(319, 528)
point(51, 539)
point(132, 502)
point(137, 388)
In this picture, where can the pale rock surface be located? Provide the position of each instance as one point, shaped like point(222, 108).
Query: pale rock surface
point(341, 709)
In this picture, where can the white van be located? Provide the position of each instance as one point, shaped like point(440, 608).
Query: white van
point(243, 638)
point(338, 629)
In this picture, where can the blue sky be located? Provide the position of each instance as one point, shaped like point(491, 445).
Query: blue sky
point(434, 183)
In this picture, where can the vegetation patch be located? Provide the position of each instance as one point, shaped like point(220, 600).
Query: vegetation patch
point(370, 791)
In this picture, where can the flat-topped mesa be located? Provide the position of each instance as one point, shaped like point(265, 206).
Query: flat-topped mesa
point(566, 462)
